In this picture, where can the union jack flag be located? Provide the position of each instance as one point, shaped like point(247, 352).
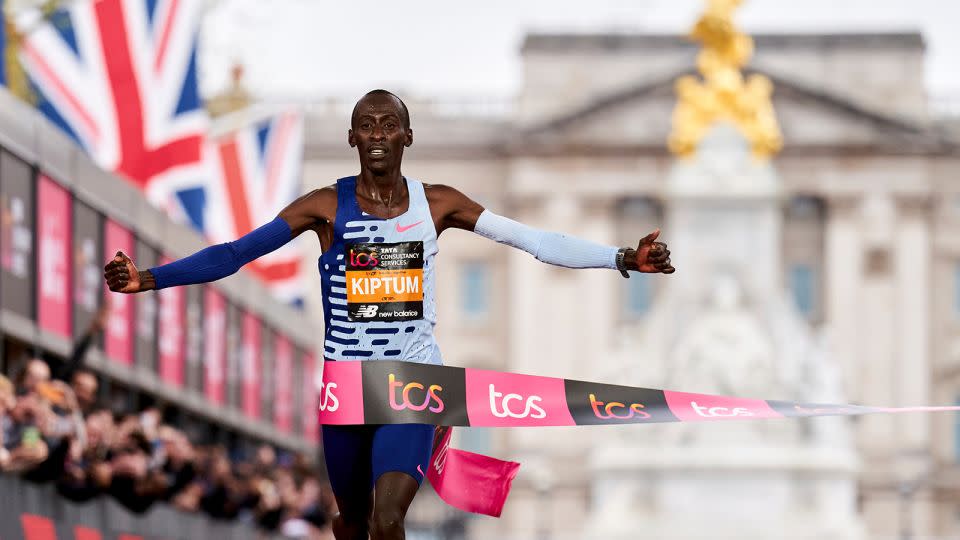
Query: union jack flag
point(120, 77)
point(255, 173)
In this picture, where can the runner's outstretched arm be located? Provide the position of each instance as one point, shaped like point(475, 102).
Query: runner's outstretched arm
point(311, 211)
point(458, 211)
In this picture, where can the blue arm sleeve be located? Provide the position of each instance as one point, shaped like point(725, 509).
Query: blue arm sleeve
point(549, 247)
point(222, 260)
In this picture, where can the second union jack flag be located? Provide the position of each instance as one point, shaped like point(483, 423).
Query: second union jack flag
point(255, 172)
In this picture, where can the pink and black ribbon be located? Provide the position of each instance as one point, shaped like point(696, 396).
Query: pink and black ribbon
point(391, 392)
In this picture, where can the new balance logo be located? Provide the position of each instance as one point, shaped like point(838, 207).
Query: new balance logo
point(367, 311)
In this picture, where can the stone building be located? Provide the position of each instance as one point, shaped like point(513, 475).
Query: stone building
point(856, 233)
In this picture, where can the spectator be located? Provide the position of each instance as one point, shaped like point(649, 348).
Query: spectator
point(266, 458)
point(65, 371)
point(85, 387)
point(36, 371)
point(83, 381)
point(86, 471)
point(222, 493)
point(129, 464)
point(61, 424)
point(315, 503)
point(22, 437)
point(7, 403)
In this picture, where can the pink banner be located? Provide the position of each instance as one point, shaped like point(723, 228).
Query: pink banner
point(215, 345)
point(508, 399)
point(118, 339)
point(54, 234)
point(468, 481)
point(283, 389)
point(250, 365)
point(340, 399)
point(689, 407)
point(170, 335)
point(311, 431)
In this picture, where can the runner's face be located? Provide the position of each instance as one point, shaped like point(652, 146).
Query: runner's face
point(378, 134)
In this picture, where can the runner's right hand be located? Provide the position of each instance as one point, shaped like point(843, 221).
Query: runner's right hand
point(122, 275)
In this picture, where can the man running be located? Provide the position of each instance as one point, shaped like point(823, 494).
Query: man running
point(378, 233)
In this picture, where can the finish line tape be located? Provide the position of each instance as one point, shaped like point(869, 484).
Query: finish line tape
point(392, 392)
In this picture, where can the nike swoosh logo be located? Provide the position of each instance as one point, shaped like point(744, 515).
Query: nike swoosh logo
point(419, 470)
point(401, 228)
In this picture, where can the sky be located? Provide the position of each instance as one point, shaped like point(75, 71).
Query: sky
point(311, 50)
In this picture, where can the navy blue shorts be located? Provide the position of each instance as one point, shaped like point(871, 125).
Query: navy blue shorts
point(356, 456)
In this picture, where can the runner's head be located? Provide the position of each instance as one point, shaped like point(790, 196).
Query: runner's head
point(380, 129)
point(381, 95)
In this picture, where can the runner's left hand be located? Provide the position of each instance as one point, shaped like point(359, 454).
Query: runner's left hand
point(652, 257)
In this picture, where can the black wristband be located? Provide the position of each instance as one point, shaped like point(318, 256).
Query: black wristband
point(622, 263)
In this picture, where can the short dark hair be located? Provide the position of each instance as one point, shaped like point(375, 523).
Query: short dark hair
point(404, 113)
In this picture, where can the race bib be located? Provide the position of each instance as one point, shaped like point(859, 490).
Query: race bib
point(384, 281)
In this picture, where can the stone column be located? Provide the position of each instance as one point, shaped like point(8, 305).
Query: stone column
point(843, 254)
point(912, 365)
point(877, 331)
point(911, 256)
point(598, 302)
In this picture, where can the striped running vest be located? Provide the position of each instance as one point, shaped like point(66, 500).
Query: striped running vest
point(378, 282)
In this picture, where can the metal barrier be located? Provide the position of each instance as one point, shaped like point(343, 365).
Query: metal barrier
point(31, 511)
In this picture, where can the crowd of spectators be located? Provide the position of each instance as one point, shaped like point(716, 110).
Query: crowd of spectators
point(54, 430)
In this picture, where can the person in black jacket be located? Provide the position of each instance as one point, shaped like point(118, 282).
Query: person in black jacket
point(83, 381)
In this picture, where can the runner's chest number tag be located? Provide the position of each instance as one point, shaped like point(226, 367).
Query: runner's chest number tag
point(384, 281)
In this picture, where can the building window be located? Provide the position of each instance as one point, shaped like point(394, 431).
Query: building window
point(803, 287)
point(956, 289)
point(638, 295)
point(803, 207)
point(475, 289)
point(954, 205)
point(640, 208)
